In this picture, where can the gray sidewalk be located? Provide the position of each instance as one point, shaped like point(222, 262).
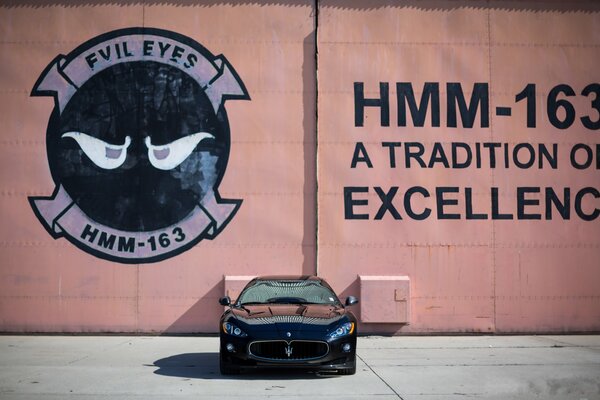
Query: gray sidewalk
point(143, 367)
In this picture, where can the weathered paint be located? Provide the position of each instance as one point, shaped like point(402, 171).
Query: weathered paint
point(50, 285)
point(465, 275)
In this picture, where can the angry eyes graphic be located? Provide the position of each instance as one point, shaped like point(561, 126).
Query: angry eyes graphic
point(104, 155)
point(139, 146)
point(112, 156)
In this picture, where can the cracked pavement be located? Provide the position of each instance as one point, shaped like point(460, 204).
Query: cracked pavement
point(413, 367)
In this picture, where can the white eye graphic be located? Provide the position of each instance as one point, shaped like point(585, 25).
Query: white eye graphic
point(170, 155)
point(104, 155)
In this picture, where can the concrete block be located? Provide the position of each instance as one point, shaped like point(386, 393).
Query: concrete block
point(385, 299)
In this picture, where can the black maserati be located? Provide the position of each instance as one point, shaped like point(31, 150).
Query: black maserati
point(288, 321)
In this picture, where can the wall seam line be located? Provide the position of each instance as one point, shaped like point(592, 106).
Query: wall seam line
point(316, 147)
point(489, 29)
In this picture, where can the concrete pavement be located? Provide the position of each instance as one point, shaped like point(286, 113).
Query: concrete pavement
point(419, 368)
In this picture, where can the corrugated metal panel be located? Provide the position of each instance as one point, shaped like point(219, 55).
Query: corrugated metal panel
point(477, 275)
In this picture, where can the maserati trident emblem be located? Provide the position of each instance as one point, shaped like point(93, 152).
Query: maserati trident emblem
point(288, 350)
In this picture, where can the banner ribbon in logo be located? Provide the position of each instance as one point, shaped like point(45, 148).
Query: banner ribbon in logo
point(62, 216)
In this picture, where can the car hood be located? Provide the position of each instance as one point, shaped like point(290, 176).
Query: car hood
point(289, 316)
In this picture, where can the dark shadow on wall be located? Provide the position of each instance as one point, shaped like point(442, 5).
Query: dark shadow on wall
point(309, 125)
point(352, 290)
point(207, 308)
point(532, 5)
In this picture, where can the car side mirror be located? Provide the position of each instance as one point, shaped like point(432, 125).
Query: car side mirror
point(351, 300)
point(225, 301)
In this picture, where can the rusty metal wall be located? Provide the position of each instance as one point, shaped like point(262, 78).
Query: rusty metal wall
point(466, 274)
point(51, 285)
point(308, 169)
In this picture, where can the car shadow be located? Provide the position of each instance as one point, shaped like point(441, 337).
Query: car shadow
point(206, 366)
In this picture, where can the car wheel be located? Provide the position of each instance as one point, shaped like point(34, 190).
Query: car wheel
point(226, 368)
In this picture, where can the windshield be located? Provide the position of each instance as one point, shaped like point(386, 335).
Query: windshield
point(288, 292)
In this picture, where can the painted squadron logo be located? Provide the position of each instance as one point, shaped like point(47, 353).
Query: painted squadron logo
point(137, 145)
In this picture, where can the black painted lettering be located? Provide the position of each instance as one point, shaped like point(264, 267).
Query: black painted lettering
point(126, 52)
point(191, 60)
point(177, 53)
point(350, 202)
point(409, 154)
point(107, 241)
point(91, 60)
point(408, 205)
point(530, 159)
point(469, 206)
point(592, 88)
point(579, 207)
point(163, 48)
point(563, 207)
point(89, 232)
point(495, 207)
point(553, 105)
point(492, 146)
point(386, 202)
point(148, 46)
point(479, 101)
point(468, 155)
point(552, 159)
point(529, 94)
point(441, 202)
point(405, 94)
point(360, 155)
point(392, 148)
point(587, 151)
point(103, 54)
point(523, 202)
point(383, 102)
point(126, 244)
point(438, 155)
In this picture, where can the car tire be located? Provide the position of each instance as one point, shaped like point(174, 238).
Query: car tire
point(226, 368)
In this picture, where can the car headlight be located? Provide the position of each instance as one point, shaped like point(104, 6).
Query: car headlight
point(342, 330)
point(231, 329)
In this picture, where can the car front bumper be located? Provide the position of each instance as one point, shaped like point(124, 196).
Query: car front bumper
point(335, 359)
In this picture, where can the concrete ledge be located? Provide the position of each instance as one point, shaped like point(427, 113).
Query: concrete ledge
point(385, 299)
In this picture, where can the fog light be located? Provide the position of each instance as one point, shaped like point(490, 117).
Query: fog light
point(230, 348)
point(346, 347)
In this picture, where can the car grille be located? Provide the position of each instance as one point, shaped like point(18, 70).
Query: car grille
point(296, 350)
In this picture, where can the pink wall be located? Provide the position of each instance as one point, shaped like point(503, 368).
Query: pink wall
point(50, 285)
point(464, 275)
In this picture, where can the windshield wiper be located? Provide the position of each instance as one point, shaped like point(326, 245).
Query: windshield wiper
point(239, 305)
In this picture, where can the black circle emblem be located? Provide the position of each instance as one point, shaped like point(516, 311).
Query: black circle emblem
point(137, 144)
